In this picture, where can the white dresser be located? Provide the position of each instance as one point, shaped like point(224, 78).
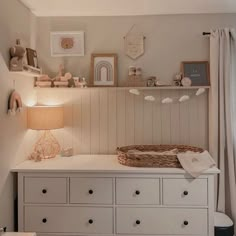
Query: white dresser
point(91, 194)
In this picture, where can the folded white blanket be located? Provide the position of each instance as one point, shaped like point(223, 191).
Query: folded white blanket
point(196, 163)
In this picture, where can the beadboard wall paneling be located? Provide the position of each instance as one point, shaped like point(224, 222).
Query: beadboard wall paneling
point(99, 120)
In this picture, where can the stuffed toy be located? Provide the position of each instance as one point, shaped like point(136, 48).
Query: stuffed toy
point(17, 54)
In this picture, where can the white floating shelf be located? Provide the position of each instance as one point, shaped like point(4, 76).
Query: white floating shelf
point(26, 73)
point(139, 88)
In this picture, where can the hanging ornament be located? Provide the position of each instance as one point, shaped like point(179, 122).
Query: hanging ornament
point(134, 44)
point(184, 98)
point(167, 100)
point(200, 91)
point(149, 98)
point(14, 103)
point(134, 91)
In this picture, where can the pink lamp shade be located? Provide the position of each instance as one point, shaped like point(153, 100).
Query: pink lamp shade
point(45, 117)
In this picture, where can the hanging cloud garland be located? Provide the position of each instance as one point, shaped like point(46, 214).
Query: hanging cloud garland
point(167, 100)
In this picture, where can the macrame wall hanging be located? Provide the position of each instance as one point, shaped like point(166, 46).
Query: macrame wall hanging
point(134, 44)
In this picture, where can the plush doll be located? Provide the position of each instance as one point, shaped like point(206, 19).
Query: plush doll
point(17, 54)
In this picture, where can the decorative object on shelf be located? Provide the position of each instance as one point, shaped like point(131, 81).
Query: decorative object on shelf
point(46, 118)
point(151, 81)
point(67, 43)
point(197, 72)
point(17, 54)
point(32, 57)
point(186, 82)
point(14, 103)
point(177, 79)
point(104, 69)
point(61, 80)
point(18, 61)
point(134, 44)
point(67, 152)
point(135, 77)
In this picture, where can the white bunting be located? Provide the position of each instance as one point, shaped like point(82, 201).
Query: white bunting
point(134, 91)
point(184, 98)
point(149, 98)
point(167, 100)
point(200, 91)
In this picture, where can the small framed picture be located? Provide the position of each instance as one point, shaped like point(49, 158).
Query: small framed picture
point(104, 69)
point(32, 57)
point(67, 43)
point(197, 71)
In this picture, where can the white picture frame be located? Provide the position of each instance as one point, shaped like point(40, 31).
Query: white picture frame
point(67, 43)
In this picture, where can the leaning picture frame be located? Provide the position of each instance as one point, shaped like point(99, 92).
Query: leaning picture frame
point(104, 69)
point(197, 71)
point(67, 43)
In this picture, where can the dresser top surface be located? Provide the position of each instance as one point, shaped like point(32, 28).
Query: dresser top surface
point(93, 163)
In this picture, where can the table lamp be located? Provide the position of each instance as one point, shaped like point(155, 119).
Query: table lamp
point(46, 118)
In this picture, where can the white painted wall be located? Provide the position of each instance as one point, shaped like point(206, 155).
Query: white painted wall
point(97, 121)
point(15, 140)
point(169, 40)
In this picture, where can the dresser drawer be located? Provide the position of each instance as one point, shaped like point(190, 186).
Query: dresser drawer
point(161, 221)
point(68, 220)
point(137, 191)
point(91, 190)
point(45, 190)
point(184, 192)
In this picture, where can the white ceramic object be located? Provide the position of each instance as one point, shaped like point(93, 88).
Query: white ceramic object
point(186, 82)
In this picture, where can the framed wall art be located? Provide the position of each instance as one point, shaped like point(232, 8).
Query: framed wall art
point(197, 71)
point(67, 43)
point(32, 57)
point(104, 69)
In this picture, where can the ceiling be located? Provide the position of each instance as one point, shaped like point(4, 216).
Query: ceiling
point(127, 7)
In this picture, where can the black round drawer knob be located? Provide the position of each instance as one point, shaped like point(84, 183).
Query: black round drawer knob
point(90, 221)
point(138, 222)
point(44, 191)
point(185, 222)
point(44, 220)
point(137, 192)
point(90, 191)
point(185, 193)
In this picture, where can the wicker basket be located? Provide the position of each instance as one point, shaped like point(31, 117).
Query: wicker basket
point(153, 160)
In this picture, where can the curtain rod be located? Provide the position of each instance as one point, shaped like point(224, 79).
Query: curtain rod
point(206, 33)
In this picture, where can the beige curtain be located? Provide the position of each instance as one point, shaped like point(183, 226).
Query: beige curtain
point(222, 116)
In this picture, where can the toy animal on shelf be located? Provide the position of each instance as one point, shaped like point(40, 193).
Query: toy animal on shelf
point(17, 57)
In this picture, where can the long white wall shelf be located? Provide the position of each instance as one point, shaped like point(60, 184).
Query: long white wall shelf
point(139, 88)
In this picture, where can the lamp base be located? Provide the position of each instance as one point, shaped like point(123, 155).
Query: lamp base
point(47, 145)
